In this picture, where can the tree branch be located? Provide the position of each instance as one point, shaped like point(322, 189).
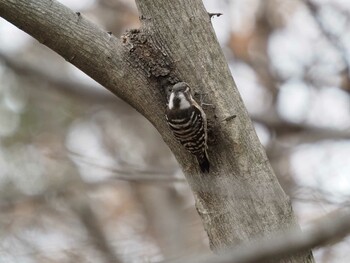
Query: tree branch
point(81, 207)
point(72, 87)
point(83, 44)
point(328, 230)
point(299, 132)
point(314, 10)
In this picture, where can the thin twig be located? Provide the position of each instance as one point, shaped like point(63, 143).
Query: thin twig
point(211, 15)
point(135, 174)
point(314, 10)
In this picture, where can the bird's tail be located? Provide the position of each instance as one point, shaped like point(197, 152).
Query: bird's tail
point(203, 162)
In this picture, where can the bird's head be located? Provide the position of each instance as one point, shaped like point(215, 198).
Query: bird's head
point(180, 96)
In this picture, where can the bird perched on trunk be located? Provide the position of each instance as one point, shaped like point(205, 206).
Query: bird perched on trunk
point(188, 122)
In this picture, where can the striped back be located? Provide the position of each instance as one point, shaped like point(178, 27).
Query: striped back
point(189, 128)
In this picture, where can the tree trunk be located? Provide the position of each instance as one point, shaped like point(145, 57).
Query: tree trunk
point(240, 199)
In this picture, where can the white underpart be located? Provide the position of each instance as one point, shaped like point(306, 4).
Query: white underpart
point(184, 103)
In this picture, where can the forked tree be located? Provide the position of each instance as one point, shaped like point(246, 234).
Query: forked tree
point(240, 198)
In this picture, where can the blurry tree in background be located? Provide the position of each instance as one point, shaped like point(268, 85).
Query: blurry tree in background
point(61, 133)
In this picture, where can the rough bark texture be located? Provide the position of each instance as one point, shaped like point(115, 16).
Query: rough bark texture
point(240, 199)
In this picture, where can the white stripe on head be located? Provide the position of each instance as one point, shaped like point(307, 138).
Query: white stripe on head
point(171, 100)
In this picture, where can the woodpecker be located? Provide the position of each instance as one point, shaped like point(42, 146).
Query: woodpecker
point(188, 123)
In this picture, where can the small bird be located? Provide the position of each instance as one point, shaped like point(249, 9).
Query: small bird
point(188, 123)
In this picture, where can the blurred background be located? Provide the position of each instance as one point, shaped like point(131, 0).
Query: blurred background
point(85, 178)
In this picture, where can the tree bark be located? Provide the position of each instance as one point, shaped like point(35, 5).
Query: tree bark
point(240, 199)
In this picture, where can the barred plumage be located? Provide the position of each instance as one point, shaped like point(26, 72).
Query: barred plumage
point(188, 122)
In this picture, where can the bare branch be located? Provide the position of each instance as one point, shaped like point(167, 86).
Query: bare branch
point(330, 229)
point(80, 42)
point(314, 10)
point(81, 207)
point(70, 87)
point(135, 174)
point(299, 132)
